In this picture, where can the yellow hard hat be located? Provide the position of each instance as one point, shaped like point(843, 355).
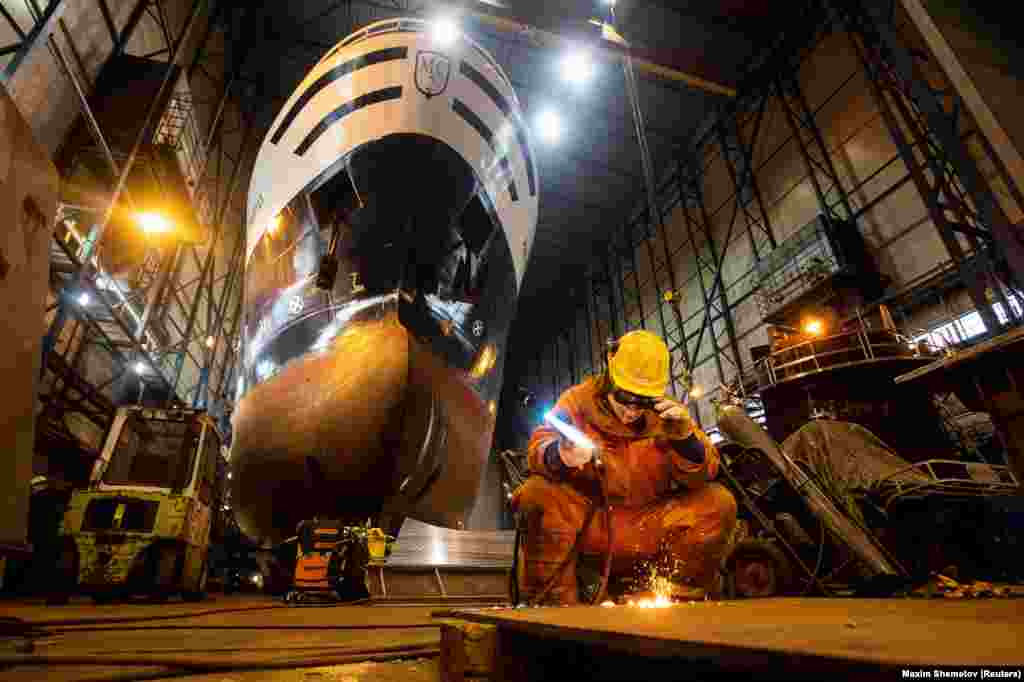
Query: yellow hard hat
point(640, 365)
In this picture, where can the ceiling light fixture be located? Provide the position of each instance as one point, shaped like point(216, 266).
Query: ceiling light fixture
point(445, 31)
point(577, 67)
point(153, 223)
point(549, 125)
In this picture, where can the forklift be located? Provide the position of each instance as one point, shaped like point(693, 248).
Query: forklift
point(143, 526)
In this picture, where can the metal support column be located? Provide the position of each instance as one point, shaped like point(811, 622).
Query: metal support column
point(908, 103)
point(590, 328)
point(738, 156)
point(716, 302)
point(631, 244)
point(801, 121)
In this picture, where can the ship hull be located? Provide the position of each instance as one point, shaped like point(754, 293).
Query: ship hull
point(391, 211)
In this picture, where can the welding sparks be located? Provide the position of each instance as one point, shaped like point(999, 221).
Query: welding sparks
point(659, 602)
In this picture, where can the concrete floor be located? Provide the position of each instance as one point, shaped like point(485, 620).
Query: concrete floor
point(248, 631)
point(255, 639)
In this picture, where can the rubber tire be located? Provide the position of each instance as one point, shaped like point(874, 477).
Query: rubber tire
point(767, 555)
point(66, 577)
point(200, 594)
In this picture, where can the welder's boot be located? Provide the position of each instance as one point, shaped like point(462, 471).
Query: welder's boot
point(548, 574)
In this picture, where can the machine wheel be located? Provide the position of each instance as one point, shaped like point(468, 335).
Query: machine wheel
point(757, 568)
point(198, 594)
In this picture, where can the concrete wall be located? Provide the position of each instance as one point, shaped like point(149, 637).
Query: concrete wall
point(28, 197)
point(896, 228)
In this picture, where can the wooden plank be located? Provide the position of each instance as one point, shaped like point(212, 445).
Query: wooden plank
point(863, 631)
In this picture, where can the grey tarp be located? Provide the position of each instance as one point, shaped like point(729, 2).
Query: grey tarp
point(845, 457)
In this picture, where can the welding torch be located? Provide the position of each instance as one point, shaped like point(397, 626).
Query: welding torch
point(578, 438)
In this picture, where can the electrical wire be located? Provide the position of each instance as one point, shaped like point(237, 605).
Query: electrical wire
point(817, 565)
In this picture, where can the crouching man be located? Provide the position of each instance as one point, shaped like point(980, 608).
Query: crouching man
point(659, 469)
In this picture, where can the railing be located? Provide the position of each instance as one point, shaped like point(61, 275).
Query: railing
point(949, 478)
point(839, 350)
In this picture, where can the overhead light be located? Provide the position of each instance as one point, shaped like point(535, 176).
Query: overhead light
point(210, 341)
point(229, 475)
point(274, 225)
point(140, 367)
point(696, 392)
point(445, 31)
point(814, 327)
point(153, 223)
point(577, 67)
point(83, 298)
point(549, 125)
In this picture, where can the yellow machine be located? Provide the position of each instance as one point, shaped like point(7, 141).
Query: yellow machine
point(143, 526)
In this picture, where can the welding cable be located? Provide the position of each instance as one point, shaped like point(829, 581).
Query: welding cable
point(130, 628)
point(573, 553)
point(599, 597)
point(513, 582)
point(224, 664)
point(143, 619)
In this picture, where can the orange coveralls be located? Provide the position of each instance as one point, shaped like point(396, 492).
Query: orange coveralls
point(665, 506)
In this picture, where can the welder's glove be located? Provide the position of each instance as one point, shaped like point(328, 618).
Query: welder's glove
point(678, 422)
point(572, 455)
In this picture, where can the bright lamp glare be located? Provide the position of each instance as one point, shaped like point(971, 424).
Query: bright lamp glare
point(140, 367)
point(549, 125)
point(274, 225)
point(445, 32)
point(153, 223)
point(814, 327)
point(696, 392)
point(210, 341)
point(83, 299)
point(577, 68)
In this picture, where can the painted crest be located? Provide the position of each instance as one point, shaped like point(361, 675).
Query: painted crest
point(432, 72)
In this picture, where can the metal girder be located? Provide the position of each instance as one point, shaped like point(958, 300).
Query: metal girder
point(695, 216)
point(820, 168)
point(108, 19)
point(43, 23)
point(739, 160)
point(918, 118)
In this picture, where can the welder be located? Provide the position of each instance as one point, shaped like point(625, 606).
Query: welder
point(655, 470)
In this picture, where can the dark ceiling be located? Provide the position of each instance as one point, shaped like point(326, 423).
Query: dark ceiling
point(592, 178)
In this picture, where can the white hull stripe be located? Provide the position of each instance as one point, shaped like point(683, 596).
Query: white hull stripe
point(499, 101)
point(339, 71)
point(375, 97)
point(477, 124)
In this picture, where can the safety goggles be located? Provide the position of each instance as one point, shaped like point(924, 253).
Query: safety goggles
point(633, 400)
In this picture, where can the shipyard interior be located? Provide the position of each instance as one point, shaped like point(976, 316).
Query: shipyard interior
point(511, 340)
